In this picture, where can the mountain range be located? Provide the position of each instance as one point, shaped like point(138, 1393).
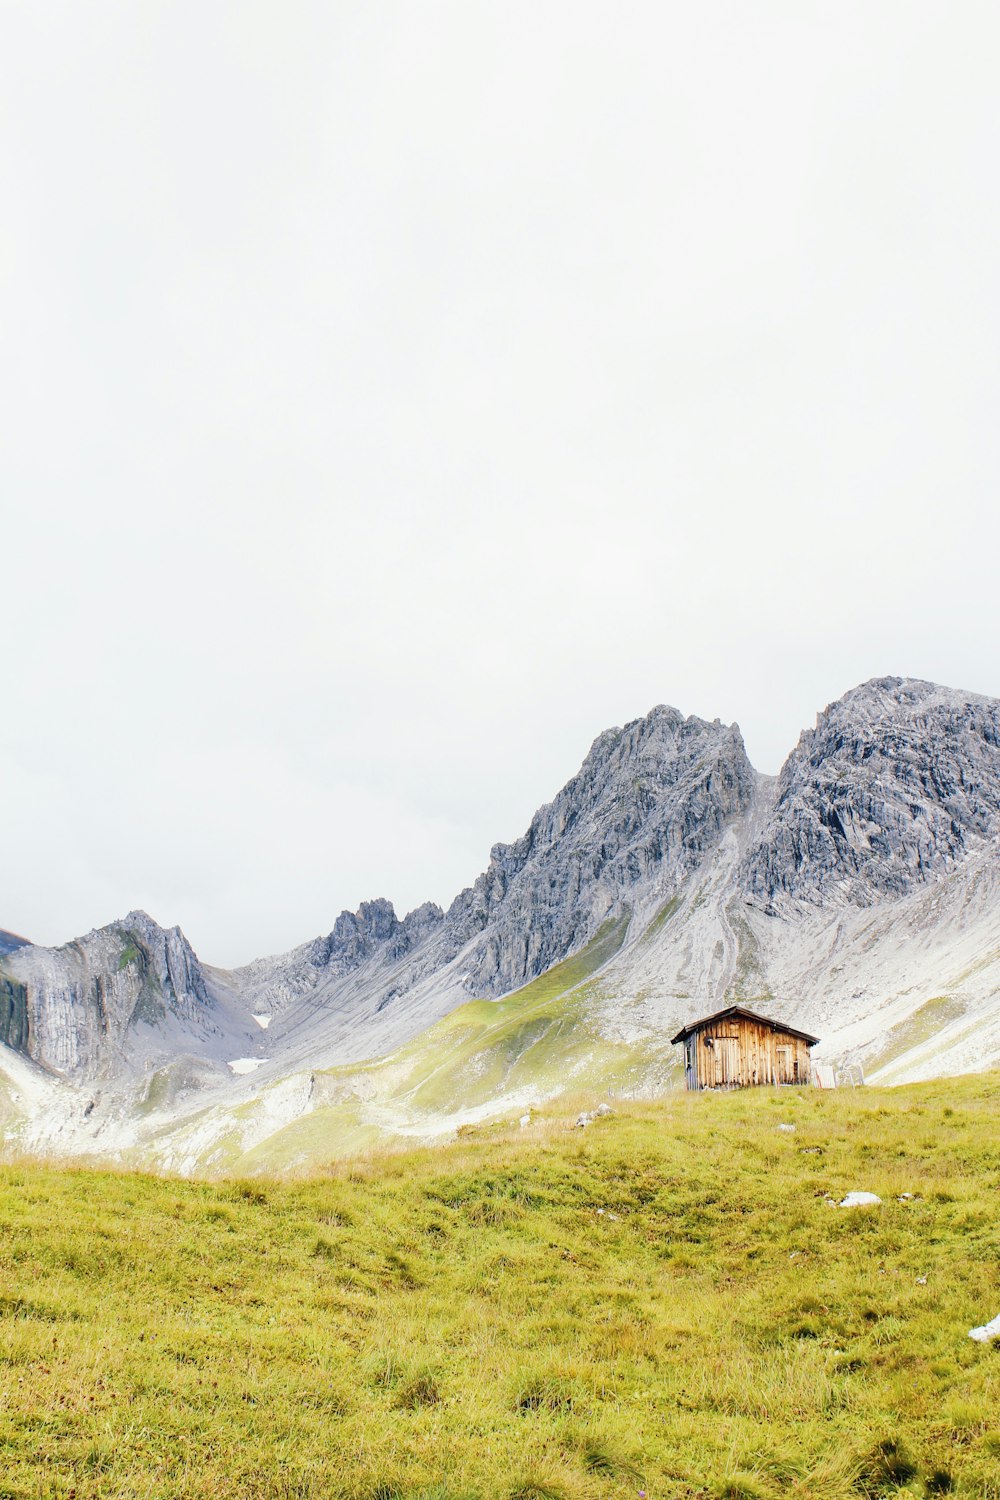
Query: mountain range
point(854, 895)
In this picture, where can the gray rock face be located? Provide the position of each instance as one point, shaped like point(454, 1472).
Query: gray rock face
point(373, 935)
point(648, 803)
point(13, 1013)
point(72, 1009)
point(897, 783)
point(374, 927)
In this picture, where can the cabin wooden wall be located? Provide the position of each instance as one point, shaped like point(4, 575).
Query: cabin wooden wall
point(744, 1054)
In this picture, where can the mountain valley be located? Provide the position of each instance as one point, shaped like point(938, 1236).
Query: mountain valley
point(854, 895)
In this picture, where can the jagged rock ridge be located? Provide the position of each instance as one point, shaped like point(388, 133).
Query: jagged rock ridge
point(897, 783)
point(648, 803)
point(372, 936)
point(72, 1009)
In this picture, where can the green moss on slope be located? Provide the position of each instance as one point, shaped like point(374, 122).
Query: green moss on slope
point(533, 1043)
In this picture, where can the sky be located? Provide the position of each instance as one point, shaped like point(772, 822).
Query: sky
point(397, 395)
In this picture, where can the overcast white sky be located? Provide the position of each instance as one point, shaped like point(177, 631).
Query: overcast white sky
point(395, 396)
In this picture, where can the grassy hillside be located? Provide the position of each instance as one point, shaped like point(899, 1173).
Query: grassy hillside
point(534, 1043)
point(663, 1302)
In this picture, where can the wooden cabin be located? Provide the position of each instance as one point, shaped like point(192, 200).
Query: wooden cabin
point(735, 1049)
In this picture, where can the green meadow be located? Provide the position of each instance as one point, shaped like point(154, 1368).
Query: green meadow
point(666, 1302)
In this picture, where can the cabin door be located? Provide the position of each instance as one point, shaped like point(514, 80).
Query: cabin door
point(728, 1053)
point(788, 1071)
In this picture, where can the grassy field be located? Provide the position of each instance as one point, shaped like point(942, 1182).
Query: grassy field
point(664, 1302)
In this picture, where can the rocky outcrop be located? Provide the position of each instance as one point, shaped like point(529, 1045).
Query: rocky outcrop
point(374, 934)
point(374, 927)
point(897, 783)
point(13, 1014)
point(74, 1009)
point(646, 806)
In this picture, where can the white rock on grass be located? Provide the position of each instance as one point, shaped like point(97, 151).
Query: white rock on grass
point(987, 1332)
point(860, 1200)
point(590, 1115)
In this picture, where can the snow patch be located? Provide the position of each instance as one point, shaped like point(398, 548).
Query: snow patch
point(246, 1064)
point(262, 1021)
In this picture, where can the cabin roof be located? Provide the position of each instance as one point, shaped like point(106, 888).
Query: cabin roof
point(747, 1015)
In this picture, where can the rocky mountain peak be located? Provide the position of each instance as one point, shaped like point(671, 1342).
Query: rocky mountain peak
point(357, 936)
point(647, 802)
point(74, 1008)
point(897, 782)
